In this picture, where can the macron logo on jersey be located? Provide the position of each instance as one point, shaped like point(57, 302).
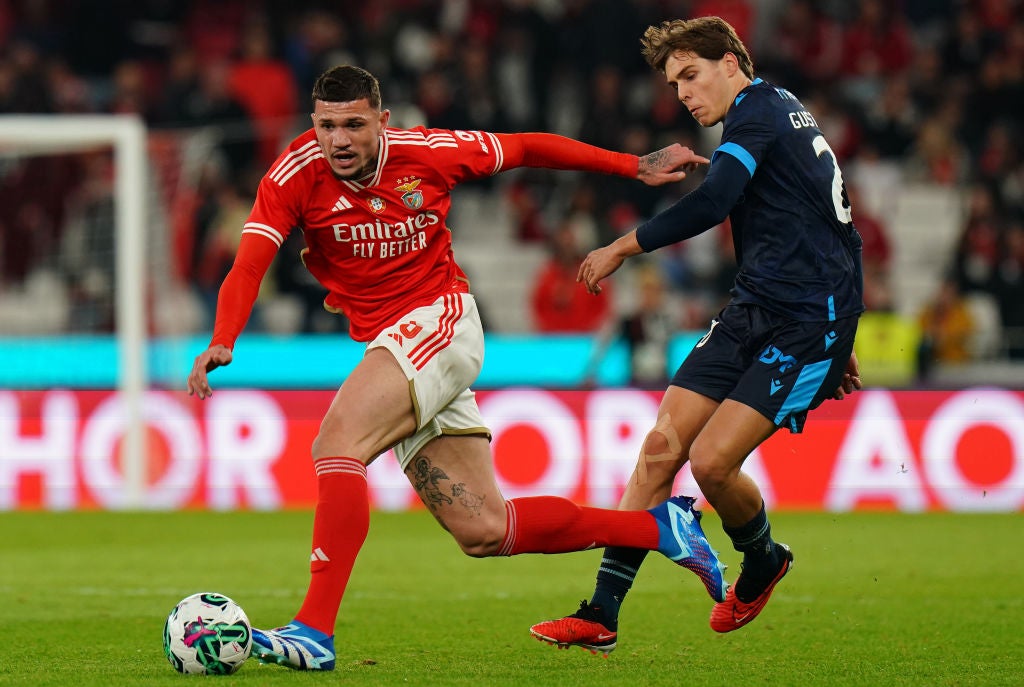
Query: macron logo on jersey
point(343, 204)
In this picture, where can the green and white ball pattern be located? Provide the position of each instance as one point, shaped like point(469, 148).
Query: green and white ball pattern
point(207, 633)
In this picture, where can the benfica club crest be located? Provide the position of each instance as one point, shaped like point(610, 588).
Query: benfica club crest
point(376, 204)
point(411, 197)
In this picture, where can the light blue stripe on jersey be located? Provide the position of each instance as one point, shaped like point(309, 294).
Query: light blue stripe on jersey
point(738, 152)
point(807, 384)
point(831, 308)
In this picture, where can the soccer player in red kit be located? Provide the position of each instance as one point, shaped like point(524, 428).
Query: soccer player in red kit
point(372, 203)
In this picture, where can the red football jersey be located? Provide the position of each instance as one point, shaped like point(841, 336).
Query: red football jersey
point(380, 247)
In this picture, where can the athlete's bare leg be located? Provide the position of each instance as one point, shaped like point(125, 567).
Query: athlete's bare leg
point(681, 416)
point(666, 448)
point(454, 477)
point(371, 412)
point(717, 455)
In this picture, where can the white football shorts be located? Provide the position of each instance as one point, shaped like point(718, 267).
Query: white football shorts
point(441, 350)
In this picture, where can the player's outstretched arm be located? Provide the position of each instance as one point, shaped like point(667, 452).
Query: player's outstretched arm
point(234, 304)
point(851, 379)
point(602, 262)
point(213, 357)
point(533, 149)
point(668, 165)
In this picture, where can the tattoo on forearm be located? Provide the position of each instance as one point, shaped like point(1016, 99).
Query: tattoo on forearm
point(428, 481)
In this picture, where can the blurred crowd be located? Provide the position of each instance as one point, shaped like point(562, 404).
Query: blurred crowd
point(921, 91)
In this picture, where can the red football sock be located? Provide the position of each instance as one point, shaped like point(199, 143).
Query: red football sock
point(551, 524)
point(340, 525)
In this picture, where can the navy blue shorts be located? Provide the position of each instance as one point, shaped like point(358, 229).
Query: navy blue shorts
point(780, 367)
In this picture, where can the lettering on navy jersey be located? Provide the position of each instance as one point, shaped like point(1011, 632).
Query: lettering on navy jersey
point(797, 247)
point(802, 119)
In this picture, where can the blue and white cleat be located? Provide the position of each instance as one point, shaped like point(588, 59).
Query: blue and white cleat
point(682, 540)
point(295, 646)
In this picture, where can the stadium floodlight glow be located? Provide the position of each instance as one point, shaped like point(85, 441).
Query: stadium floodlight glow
point(126, 134)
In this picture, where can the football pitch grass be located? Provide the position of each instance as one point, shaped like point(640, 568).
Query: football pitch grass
point(873, 599)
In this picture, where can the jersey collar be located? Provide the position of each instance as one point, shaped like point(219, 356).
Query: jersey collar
point(743, 94)
point(382, 158)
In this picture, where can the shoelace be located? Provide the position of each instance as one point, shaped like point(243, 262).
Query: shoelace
point(588, 612)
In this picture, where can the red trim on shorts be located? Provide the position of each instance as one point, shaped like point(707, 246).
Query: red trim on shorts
point(442, 337)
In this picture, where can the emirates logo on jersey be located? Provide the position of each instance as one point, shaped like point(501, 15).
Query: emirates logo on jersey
point(377, 204)
point(411, 197)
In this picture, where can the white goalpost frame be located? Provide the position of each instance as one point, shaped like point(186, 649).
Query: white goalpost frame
point(127, 135)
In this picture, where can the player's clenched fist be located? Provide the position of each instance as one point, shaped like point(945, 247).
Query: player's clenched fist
point(210, 359)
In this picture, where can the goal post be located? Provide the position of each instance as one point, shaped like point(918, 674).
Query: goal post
point(126, 134)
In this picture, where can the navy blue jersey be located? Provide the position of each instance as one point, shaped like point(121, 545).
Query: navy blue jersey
point(796, 246)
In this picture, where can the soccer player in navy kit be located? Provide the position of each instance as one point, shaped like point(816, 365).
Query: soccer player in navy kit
point(782, 345)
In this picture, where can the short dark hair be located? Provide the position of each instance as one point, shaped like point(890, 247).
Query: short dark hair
point(707, 37)
point(345, 83)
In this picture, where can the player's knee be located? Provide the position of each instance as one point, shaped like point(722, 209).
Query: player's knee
point(336, 439)
point(660, 457)
point(327, 444)
point(710, 470)
point(655, 443)
point(318, 447)
point(658, 471)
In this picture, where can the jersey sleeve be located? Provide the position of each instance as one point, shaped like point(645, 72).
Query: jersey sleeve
point(746, 138)
point(273, 215)
point(240, 288)
point(706, 206)
point(463, 155)
point(457, 155)
point(277, 209)
point(748, 135)
point(558, 152)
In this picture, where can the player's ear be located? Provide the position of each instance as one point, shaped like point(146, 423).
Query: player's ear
point(385, 115)
point(732, 65)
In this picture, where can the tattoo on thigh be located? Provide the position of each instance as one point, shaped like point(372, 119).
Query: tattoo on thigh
point(427, 479)
point(472, 502)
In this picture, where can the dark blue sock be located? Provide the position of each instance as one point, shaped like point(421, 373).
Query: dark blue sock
point(619, 567)
point(760, 556)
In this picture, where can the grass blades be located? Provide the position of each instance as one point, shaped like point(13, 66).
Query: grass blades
point(873, 599)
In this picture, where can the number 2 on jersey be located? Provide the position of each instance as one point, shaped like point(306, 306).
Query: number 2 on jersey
point(843, 212)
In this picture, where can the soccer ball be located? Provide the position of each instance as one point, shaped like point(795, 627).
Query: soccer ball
point(207, 633)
